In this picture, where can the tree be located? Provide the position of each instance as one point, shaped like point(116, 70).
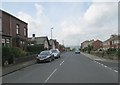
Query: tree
point(89, 48)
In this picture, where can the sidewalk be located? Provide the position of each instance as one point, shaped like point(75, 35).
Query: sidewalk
point(93, 57)
point(13, 68)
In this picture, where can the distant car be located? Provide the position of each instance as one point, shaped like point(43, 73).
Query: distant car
point(56, 53)
point(45, 56)
point(77, 51)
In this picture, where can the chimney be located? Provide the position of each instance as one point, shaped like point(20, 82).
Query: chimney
point(33, 37)
point(113, 35)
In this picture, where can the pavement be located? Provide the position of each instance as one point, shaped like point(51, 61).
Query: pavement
point(70, 68)
point(13, 68)
point(93, 57)
point(112, 64)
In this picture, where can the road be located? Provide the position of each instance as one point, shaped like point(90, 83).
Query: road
point(70, 68)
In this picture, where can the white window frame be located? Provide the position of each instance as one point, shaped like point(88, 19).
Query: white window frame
point(7, 41)
point(3, 41)
point(0, 24)
point(17, 28)
point(25, 33)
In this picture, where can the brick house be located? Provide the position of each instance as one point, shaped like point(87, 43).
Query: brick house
point(84, 44)
point(97, 45)
point(14, 31)
point(112, 42)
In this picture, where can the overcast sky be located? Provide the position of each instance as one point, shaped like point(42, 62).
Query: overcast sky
point(73, 22)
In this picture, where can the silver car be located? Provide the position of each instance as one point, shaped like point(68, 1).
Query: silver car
point(56, 53)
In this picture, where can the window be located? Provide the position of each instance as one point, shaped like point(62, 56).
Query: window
point(0, 24)
point(7, 41)
point(25, 31)
point(3, 42)
point(21, 42)
point(17, 29)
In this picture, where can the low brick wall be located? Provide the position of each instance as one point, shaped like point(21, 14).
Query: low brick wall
point(24, 59)
point(19, 63)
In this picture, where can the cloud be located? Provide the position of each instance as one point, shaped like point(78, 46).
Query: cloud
point(37, 23)
point(98, 22)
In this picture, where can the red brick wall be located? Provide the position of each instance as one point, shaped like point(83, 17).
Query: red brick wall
point(5, 24)
point(9, 20)
point(97, 44)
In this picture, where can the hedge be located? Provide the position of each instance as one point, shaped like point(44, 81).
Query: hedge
point(9, 53)
point(35, 49)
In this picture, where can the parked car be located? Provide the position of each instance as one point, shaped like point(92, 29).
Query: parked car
point(56, 53)
point(45, 56)
point(77, 51)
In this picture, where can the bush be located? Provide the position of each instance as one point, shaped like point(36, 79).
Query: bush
point(118, 53)
point(5, 54)
point(8, 54)
point(17, 52)
point(35, 49)
point(111, 51)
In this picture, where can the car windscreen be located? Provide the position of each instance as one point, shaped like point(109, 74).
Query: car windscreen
point(54, 51)
point(45, 53)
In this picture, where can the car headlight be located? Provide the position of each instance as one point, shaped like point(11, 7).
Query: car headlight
point(37, 57)
point(48, 56)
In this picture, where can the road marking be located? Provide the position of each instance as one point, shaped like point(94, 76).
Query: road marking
point(61, 63)
point(106, 66)
point(50, 75)
point(116, 71)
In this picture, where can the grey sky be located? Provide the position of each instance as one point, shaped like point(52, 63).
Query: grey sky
point(73, 22)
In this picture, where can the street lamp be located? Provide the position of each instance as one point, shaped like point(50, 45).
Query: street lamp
point(51, 32)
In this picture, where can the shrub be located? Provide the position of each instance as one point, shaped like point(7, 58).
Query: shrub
point(17, 52)
point(8, 54)
point(35, 49)
point(118, 53)
point(111, 51)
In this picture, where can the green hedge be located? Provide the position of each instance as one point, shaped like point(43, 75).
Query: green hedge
point(35, 49)
point(8, 54)
point(111, 51)
point(118, 53)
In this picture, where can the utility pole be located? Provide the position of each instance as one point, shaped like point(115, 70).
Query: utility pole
point(63, 42)
point(51, 32)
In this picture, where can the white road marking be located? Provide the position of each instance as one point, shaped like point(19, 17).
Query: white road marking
point(106, 66)
point(50, 75)
point(116, 71)
point(61, 63)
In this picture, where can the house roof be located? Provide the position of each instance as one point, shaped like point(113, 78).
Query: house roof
point(113, 37)
point(40, 40)
point(98, 41)
point(2, 11)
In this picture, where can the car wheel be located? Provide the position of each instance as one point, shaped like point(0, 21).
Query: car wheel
point(38, 61)
point(50, 60)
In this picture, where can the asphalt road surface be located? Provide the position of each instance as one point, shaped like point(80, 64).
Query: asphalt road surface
point(70, 68)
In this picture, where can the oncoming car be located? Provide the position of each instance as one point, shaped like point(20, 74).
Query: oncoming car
point(45, 56)
point(77, 51)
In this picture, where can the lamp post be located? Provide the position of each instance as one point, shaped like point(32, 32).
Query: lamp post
point(51, 32)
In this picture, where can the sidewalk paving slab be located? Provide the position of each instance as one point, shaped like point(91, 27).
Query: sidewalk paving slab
point(13, 68)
